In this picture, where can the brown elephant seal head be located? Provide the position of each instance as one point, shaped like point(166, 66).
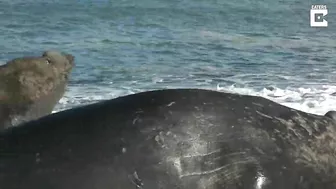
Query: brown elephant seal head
point(30, 87)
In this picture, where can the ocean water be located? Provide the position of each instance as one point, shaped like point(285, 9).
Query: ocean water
point(265, 48)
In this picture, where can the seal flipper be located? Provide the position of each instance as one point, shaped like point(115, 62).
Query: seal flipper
point(331, 114)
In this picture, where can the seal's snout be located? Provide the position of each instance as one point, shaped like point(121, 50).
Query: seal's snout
point(70, 62)
point(70, 58)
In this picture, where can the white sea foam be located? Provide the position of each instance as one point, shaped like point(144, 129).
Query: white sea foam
point(312, 100)
point(2, 62)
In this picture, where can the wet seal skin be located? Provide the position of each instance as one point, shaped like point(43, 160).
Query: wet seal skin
point(331, 114)
point(30, 87)
point(172, 139)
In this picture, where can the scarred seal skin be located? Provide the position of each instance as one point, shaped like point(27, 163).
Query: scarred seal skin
point(30, 87)
point(172, 139)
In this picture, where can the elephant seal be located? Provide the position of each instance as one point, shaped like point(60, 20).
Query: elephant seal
point(30, 87)
point(172, 139)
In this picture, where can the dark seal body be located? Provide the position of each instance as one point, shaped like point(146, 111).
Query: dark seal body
point(331, 114)
point(30, 87)
point(172, 139)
